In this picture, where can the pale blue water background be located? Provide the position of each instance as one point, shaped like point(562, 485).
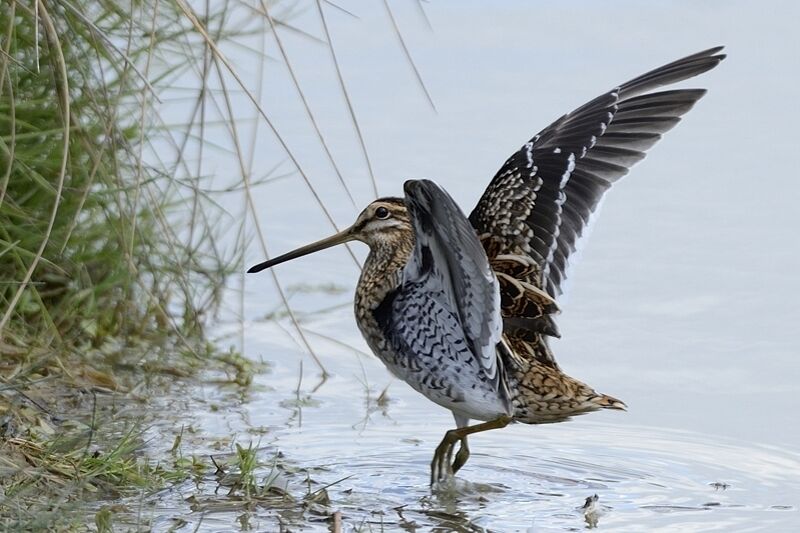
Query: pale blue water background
point(685, 303)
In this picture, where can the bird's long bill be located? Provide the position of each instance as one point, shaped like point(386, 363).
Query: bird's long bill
point(339, 238)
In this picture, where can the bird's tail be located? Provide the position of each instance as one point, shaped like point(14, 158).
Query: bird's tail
point(609, 402)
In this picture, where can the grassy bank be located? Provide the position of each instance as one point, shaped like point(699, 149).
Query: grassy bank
point(108, 264)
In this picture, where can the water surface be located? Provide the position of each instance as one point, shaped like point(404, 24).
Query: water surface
point(372, 457)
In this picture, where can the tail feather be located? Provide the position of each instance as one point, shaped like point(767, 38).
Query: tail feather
point(609, 402)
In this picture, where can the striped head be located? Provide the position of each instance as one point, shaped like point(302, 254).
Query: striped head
point(383, 222)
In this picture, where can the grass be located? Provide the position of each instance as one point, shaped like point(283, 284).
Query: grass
point(104, 289)
point(111, 262)
point(43, 478)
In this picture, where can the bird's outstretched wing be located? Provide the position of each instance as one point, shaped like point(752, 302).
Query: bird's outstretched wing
point(537, 207)
point(449, 290)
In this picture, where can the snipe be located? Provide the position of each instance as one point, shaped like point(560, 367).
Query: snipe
point(462, 308)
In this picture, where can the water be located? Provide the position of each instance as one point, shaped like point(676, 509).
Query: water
point(375, 457)
point(684, 304)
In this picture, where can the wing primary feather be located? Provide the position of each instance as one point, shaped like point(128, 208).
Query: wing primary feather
point(541, 202)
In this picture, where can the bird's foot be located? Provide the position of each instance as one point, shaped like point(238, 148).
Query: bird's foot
point(442, 463)
point(443, 466)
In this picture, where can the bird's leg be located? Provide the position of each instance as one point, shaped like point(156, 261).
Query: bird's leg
point(461, 456)
point(463, 450)
point(441, 467)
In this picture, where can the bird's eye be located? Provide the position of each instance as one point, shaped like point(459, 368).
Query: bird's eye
point(382, 213)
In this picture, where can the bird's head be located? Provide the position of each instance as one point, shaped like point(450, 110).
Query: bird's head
point(383, 222)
